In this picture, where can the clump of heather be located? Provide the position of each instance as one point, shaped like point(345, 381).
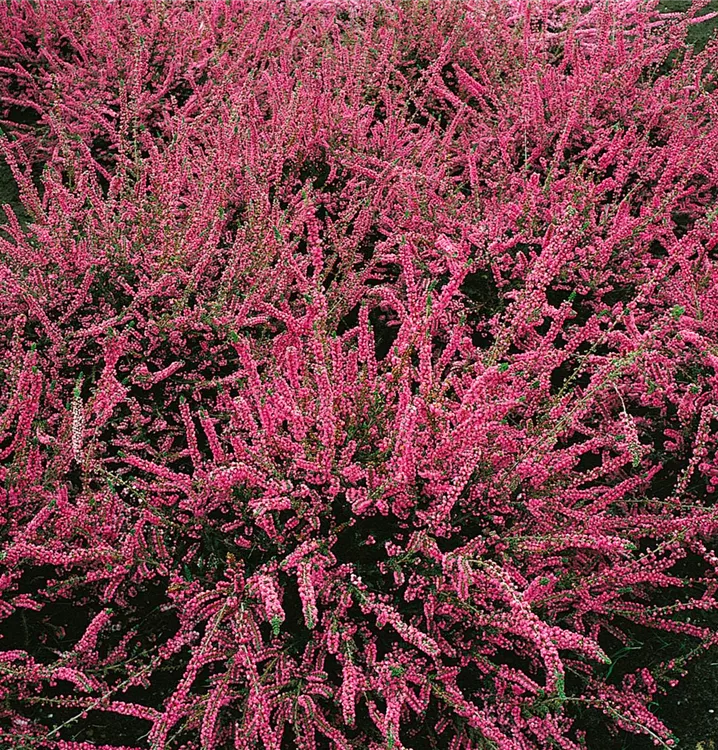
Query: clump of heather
point(359, 374)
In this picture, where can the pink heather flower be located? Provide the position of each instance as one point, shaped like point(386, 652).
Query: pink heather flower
point(89, 640)
point(409, 633)
point(78, 423)
point(305, 573)
point(303, 550)
point(267, 590)
point(350, 685)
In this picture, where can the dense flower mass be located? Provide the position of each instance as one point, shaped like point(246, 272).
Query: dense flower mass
point(358, 373)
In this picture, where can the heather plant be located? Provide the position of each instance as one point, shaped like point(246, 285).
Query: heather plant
point(360, 372)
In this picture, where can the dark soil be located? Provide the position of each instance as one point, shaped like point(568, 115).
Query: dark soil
point(691, 710)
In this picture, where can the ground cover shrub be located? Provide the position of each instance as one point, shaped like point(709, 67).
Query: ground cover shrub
point(359, 375)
